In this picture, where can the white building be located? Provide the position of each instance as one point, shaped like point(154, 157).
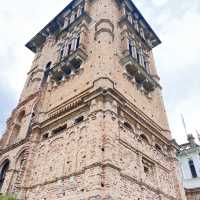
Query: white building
point(189, 160)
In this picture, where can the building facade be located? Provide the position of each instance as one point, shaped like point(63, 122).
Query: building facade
point(91, 122)
point(189, 161)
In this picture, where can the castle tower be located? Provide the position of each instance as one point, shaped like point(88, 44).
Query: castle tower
point(91, 123)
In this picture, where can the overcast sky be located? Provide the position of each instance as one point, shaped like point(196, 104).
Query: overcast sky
point(176, 22)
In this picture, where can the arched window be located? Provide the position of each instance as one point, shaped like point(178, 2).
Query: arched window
point(144, 138)
point(79, 120)
point(192, 169)
point(3, 171)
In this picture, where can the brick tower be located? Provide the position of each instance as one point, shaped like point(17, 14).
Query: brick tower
point(90, 123)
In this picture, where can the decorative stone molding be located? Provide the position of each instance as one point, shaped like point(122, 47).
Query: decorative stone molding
point(104, 26)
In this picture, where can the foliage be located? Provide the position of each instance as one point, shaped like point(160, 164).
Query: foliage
point(7, 198)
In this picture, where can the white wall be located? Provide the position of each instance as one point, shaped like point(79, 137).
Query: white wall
point(188, 181)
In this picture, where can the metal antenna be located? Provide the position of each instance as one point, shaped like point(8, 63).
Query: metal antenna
point(184, 124)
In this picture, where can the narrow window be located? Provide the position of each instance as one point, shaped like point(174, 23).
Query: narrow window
point(59, 129)
point(192, 169)
point(69, 48)
point(62, 53)
point(126, 124)
point(46, 72)
point(130, 48)
point(138, 56)
point(79, 120)
point(158, 147)
point(45, 136)
point(77, 42)
point(75, 15)
point(144, 139)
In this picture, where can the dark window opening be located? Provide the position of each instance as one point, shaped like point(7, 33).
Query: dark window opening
point(144, 138)
point(45, 136)
point(146, 170)
point(130, 48)
point(69, 49)
point(48, 65)
point(3, 172)
point(138, 57)
point(59, 129)
point(46, 73)
point(61, 53)
point(127, 125)
point(67, 71)
point(76, 64)
point(79, 120)
point(158, 147)
point(192, 169)
point(77, 42)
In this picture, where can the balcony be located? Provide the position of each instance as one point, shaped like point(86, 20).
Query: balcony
point(139, 74)
point(69, 65)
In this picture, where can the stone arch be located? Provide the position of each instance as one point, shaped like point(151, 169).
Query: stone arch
point(20, 164)
point(104, 26)
point(4, 167)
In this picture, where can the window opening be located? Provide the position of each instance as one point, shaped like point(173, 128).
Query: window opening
point(192, 169)
point(79, 119)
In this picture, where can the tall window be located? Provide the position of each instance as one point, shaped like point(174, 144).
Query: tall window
point(132, 49)
point(192, 169)
point(3, 171)
point(46, 72)
point(77, 41)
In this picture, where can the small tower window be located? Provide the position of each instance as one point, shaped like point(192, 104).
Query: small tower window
point(127, 125)
point(192, 169)
point(79, 120)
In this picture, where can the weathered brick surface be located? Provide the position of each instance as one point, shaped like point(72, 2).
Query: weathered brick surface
point(120, 149)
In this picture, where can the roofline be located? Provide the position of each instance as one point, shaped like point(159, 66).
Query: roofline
point(147, 24)
point(70, 6)
point(54, 19)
